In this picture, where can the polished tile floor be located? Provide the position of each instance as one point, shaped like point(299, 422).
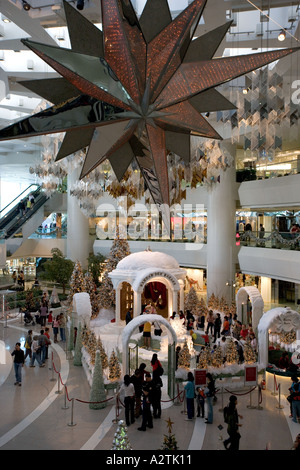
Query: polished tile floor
point(40, 415)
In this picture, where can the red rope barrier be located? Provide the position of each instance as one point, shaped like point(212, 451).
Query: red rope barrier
point(240, 394)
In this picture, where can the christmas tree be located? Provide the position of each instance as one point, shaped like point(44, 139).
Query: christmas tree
point(204, 358)
point(121, 441)
point(114, 367)
point(118, 251)
point(92, 346)
point(213, 302)
point(192, 302)
point(103, 355)
point(217, 357)
point(184, 359)
point(30, 303)
point(203, 310)
point(170, 442)
point(77, 283)
point(91, 289)
point(97, 395)
point(232, 356)
point(249, 354)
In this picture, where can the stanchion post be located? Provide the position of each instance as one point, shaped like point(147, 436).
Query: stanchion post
point(65, 407)
point(52, 369)
point(58, 391)
point(274, 393)
point(258, 405)
point(177, 401)
point(72, 414)
point(279, 406)
point(115, 420)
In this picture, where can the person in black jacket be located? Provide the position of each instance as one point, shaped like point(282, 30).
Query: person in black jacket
point(148, 387)
point(232, 420)
point(156, 396)
point(19, 359)
point(217, 327)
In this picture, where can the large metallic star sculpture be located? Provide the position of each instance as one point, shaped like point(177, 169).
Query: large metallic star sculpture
point(137, 89)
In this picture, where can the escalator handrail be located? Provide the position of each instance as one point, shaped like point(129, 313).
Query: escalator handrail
point(7, 218)
point(18, 224)
point(32, 184)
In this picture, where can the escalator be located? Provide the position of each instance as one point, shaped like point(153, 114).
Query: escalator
point(12, 219)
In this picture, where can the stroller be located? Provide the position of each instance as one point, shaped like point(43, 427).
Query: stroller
point(28, 318)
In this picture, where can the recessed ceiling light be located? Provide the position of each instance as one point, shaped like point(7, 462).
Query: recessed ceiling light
point(6, 20)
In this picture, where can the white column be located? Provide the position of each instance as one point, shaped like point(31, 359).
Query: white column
point(181, 298)
point(265, 289)
point(221, 249)
point(173, 307)
point(118, 304)
point(137, 304)
point(79, 244)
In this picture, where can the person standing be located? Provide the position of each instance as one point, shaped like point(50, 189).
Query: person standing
point(62, 327)
point(128, 317)
point(190, 396)
point(128, 389)
point(36, 352)
point(28, 343)
point(47, 334)
point(156, 402)
point(147, 335)
point(136, 380)
point(209, 392)
point(217, 327)
point(55, 326)
point(200, 402)
point(19, 359)
point(210, 322)
point(43, 313)
point(147, 399)
point(232, 420)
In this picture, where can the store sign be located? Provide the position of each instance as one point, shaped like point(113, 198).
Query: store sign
point(165, 275)
point(200, 376)
point(251, 375)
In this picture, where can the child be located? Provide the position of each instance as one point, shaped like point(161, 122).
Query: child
point(200, 397)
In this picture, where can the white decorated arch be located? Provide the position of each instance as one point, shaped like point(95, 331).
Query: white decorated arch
point(256, 301)
point(135, 323)
point(279, 319)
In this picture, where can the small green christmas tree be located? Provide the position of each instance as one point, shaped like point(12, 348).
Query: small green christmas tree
point(121, 441)
point(184, 359)
point(169, 442)
point(98, 394)
point(114, 367)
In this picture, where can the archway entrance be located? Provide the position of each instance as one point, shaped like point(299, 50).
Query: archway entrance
point(172, 340)
point(244, 312)
point(157, 294)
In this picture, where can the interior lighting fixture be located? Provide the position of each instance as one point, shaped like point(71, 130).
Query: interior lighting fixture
point(80, 5)
point(6, 20)
point(281, 35)
point(26, 5)
point(245, 91)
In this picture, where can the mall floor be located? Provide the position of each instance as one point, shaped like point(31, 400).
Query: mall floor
point(40, 415)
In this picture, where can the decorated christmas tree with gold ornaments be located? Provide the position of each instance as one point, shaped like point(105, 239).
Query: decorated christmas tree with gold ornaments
point(91, 289)
point(77, 283)
point(204, 358)
point(114, 367)
point(249, 354)
point(119, 250)
point(184, 359)
point(192, 302)
point(213, 302)
point(217, 357)
point(103, 355)
point(232, 356)
point(121, 440)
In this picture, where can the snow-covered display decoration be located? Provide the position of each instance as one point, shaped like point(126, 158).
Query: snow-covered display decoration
point(274, 323)
point(256, 302)
point(82, 309)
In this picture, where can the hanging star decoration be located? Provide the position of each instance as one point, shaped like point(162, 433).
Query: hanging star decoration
point(136, 90)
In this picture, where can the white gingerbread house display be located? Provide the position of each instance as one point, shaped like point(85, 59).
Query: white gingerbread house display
point(139, 269)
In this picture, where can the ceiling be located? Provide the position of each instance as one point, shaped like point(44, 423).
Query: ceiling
point(256, 25)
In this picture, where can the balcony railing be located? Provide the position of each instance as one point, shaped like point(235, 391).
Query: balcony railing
point(274, 239)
